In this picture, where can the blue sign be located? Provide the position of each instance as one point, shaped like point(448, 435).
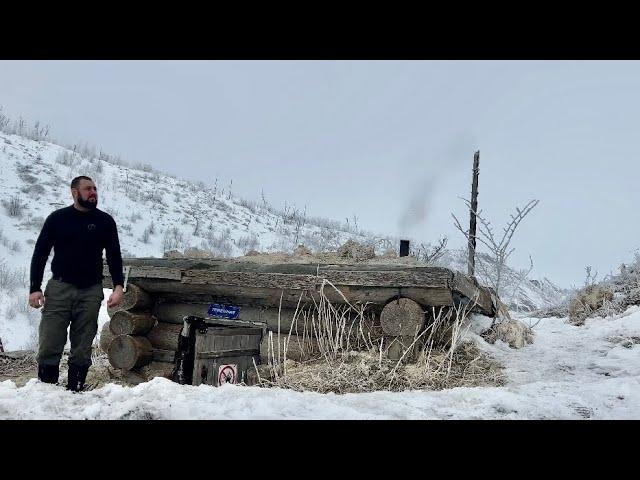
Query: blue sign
point(218, 310)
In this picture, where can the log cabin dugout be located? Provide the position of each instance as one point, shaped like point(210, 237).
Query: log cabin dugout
point(162, 291)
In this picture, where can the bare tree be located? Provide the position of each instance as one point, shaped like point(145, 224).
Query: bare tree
point(264, 201)
point(196, 213)
point(498, 246)
point(430, 253)
point(590, 279)
point(20, 126)
point(522, 277)
point(4, 121)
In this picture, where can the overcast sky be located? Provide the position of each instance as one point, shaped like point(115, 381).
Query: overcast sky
point(391, 142)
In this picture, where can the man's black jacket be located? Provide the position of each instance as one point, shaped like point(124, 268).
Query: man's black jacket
point(78, 239)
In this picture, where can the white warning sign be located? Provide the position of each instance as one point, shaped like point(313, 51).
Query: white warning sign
point(227, 374)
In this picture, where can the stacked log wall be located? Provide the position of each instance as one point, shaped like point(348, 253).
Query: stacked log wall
point(135, 341)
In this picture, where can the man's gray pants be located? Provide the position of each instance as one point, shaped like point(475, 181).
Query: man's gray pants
point(64, 305)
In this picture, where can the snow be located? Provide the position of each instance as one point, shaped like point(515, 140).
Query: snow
point(568, 372)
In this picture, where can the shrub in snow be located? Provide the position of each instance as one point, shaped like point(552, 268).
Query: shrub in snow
point(33, 189)
point(14, 207)
point(173, 254)
point(145, 235)
point(68, 159)
point(9, 278)
point(247, 243)
point(390, 254)
point(219, 245)
point(154, 197)
point(513, 332)
point(173, 240)
point(356, 251)
point(587, 301)
point(301, 250)
point(134, 217)
point(150, 230)
point(195, 252)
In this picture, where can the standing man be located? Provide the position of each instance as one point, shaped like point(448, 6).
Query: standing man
point(78, 234)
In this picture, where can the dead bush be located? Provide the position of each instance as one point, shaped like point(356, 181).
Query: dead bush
point(513, 332)
point(356, 251)
point(587, 301)
point(14, 207)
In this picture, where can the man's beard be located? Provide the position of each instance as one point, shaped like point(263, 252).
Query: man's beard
point(87, 203)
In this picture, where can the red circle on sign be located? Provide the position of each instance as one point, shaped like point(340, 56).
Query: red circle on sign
point(227, 374)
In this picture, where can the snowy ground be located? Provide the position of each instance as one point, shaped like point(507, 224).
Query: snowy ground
point(570, 372)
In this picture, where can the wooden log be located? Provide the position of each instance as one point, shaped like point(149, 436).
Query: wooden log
point(480, 297)
point(148, 372)
point(127, 352)
point(259, 297)
point(126, 322)
point(174, 312)
point(164, 336)
point(173, 267)
point(135, 298)
point(398, 279)
point(105, 337)
point(402, 317)
point(164, 355)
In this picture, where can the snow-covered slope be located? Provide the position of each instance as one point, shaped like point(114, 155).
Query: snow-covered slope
point(154, 213)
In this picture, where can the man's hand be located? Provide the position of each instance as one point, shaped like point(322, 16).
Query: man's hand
point(116, 297)
point(36, 299)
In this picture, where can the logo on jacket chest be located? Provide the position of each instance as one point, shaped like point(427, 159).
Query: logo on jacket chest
point(91, 226)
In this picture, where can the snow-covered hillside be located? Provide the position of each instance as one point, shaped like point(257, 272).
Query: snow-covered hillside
point(156, 213)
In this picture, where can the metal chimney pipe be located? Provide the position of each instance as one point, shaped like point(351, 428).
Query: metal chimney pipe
point(404, 248)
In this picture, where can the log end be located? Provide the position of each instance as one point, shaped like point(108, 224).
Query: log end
point(402, 317)
point(127, 352)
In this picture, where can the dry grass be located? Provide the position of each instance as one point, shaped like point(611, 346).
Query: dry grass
point(352, 355)
point(591, 300)
point(365, 371)
point(513, 332)
point(17, 364)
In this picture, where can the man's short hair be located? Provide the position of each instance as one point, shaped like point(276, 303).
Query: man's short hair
point(76, 181)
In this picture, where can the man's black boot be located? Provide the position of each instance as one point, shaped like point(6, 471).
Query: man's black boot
point(77, 377)
point(48, 373)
